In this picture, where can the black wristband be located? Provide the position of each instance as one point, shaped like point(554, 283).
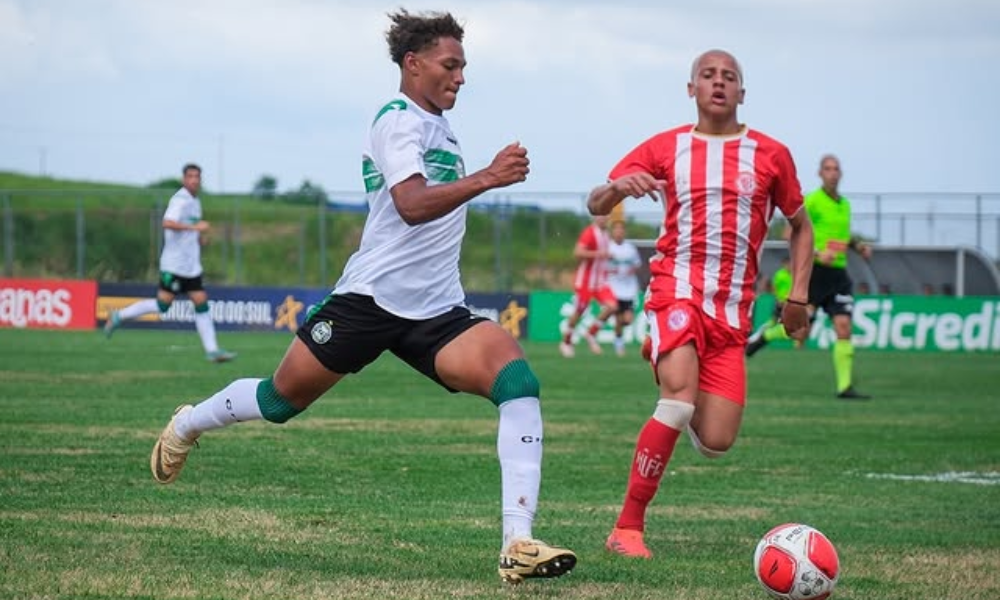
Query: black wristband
point(796, 302)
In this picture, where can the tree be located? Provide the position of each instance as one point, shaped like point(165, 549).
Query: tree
point(266, 188)
point(173, 183)
point(308, 193)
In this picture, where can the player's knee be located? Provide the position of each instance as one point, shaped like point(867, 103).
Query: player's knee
point(273, 406)
point(515, 380)
point(716, 449)
point(673, 413)
point(201, 308)
point(163, 305)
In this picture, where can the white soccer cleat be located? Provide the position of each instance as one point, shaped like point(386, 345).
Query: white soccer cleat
point(566, 349)
point(592, 342)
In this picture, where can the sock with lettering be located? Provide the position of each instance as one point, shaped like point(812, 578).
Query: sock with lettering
point(653, 450)
point(236, 402)
point(519, 446)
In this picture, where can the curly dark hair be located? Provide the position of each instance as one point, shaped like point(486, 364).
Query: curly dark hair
point(413, 33)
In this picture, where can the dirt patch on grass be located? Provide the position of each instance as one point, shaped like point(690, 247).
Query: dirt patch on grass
point(967, 574)
point(87, 432)
point(234, 522)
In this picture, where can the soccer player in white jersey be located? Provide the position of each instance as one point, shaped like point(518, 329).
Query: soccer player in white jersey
point(719, 182)
point(400, 292)
point(623, 267)
point(184, 233)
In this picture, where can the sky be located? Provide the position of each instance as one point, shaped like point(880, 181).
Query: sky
point(905, 92)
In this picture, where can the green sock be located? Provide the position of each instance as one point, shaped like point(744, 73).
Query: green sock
point(775, 332)
point(843, 361)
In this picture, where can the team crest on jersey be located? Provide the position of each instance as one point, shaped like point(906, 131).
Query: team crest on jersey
point(677, 319)
point(322, 332)
point(746, 183)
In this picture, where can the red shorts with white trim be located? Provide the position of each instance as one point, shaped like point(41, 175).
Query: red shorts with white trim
point(721, 362)
point(604, 296)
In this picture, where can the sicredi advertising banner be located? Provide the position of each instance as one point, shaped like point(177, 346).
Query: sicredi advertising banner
point(47, 303)
point(920, 323)
point(550, 312)
point(907, 323)
point(910, 323)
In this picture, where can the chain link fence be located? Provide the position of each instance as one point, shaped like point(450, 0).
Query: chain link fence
point(514, 242)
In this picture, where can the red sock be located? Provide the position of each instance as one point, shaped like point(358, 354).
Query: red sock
point(652, 454)
point(567, 337)
point(594, 328)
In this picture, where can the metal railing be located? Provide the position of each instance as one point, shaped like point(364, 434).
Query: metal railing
point(515, 241)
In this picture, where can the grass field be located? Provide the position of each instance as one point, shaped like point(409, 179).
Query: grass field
point(389, 487)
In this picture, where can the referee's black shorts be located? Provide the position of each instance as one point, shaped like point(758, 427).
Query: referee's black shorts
point(831, 289)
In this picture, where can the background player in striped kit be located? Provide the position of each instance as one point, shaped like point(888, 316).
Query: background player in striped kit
point(590, 284)
point(719, 182)
point(401, 292)
point(623, 268)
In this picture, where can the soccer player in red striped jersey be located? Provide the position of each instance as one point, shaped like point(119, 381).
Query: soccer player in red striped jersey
point(590, 283)
point(719, 183)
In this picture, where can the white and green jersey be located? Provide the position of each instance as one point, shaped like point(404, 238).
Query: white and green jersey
point(410, 270)
point(181, 251)
point(622, 266)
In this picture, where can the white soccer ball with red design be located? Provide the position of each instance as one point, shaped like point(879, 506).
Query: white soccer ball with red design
point(796, 562)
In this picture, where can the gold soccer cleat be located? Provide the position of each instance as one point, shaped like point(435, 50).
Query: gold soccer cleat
point(171, 451)
point(525, 559)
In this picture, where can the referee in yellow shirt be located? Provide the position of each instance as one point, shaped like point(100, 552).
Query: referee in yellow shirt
point(830, 287)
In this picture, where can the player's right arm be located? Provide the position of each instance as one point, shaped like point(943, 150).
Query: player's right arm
point(638, 174)
point(172, 217)
point(178, 226)
point(604, 198)
point(416, 202)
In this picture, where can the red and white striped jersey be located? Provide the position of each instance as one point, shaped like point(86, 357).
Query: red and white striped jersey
point(721, 194)
point(592, 273)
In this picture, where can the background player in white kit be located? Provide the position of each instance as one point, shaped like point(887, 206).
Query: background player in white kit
point(401, 292)
point(184, 233)
point(623, 269)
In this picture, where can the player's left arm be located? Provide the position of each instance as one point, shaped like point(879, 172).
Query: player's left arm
point(795, 313)
point(787, 194)
point(860, 246)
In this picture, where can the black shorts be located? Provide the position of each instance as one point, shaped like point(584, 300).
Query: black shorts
point(832, 290)
point(176, 284)
point(349, 331)
point(625, 306)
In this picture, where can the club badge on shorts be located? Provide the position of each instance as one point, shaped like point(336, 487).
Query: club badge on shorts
point(677, 319)
point(321, 332)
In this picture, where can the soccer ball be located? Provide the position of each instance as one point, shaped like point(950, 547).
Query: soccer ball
point(796, 562)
